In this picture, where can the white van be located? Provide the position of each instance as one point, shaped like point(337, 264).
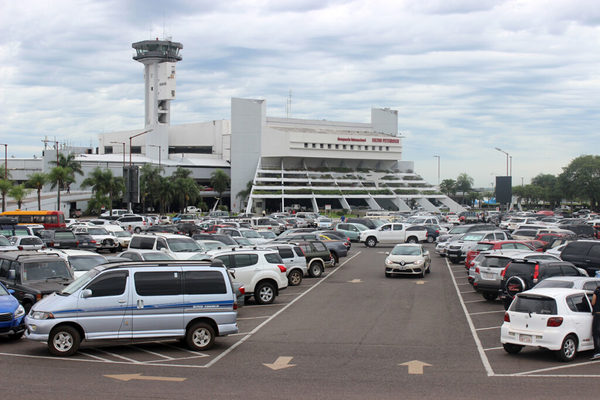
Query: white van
point(193, 301)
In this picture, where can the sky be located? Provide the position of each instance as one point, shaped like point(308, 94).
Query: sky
point(466, 76)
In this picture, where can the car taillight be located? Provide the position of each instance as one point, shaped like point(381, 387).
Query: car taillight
point(282, 268)
point(77, 243)
point(235, 306)
point(93, 241)
point(51, 244)
point(20, 247)
point(554, 321)
point(506, 317)
point(504, 270)
point(536, 273)
point(476, 270)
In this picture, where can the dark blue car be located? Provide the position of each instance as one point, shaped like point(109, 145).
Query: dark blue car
point(12, 315)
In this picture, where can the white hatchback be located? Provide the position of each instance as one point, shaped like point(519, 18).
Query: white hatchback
point(553, 318)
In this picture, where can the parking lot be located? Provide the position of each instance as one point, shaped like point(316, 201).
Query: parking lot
point(351, 334)
point(485, 319)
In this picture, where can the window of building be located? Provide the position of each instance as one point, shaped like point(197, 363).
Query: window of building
point(108, 149)
point(344, 146)
point(329, 146)
point(372, 147)
point(387, 148)
point(380, 148)
point(337, 146)
point(314, 145)
point(351, 147)
point(321, 145)
point(305, 145)
point(190, 149)
point(136, 149)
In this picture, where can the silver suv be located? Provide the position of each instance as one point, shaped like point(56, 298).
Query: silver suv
point(261, 271)
point(457, 251)
point(294, 261)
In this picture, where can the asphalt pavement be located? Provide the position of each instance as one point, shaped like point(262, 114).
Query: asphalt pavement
point(352, 334)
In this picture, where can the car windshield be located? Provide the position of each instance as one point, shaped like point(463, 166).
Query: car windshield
point(555, 283)
point(79, 282)
point(158, 256)
point(377, 222)
point(251, 234)
point(3, 292)
point(458, 229)
point(97, 231)
point(43, 270)
point(473, 237)
point(495, 262)
point(267, 234)
point(183, 245)
point(242, 240)
point(211, 245)
point(65, 235)
point(122, 234)
point(85, 263)
point(406, 251)
point(534, 304)
point(360, 227)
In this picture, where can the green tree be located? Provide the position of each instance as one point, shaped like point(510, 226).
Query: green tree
point(583, 176)
point(37, 181)
point(448, 187)
point(220, 181)
point(244, 193)
point(166, 193)
point(58, 176)
point(18, 192)
point(150, 180)
point(5, 186)
point(69, 162)
point(105, 186)
point(464, 184)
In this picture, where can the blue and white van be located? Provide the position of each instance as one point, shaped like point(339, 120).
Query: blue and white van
point(190, 300)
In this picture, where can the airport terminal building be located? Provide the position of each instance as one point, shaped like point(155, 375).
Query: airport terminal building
point(287, 162)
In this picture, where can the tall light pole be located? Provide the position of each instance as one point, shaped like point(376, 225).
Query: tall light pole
point(159, 151)
point(507, 156)
point(130, 208)
point(5, 160)
point(438, 160)
point(134, 136)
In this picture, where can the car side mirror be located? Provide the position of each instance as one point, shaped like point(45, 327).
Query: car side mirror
point(85, 293)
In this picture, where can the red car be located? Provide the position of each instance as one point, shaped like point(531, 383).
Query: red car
point(495, 245)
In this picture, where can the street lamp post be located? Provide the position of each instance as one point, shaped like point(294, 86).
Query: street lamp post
point(130, 208)
point(507, 156)
point(159, 151)
point(5, 160)
point(438, 162)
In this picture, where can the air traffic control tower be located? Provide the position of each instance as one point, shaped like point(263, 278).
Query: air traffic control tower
point(159, 58)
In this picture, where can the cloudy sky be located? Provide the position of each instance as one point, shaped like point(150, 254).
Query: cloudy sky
point(466, 76)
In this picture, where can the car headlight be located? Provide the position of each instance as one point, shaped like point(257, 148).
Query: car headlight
point(19, 312)
point(42, 315)
point(418, 262)
point(388, 261)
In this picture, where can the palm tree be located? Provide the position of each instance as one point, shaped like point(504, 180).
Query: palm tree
point(73, 166)
point(220, 181)
point(149, 183)
point(104, 184)
point(166, 192)
point(57, 177)
point(18, 192)
point(37, 181)
point(5, 186)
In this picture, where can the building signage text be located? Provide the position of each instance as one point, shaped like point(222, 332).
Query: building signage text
point(347, 139)
point(381, 140)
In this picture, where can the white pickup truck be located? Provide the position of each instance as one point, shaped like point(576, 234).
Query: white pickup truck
point(391, 233)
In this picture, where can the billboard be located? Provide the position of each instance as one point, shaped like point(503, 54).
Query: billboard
point(504, 189)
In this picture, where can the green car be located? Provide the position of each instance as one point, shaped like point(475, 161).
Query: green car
point(352, 230)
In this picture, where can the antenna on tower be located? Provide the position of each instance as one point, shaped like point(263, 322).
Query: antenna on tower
point(288, 105)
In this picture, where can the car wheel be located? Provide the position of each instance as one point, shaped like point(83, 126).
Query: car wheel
point(264, 293)
point(200, 336)
point(295, 277)
point(371, 241)
point(412, 239)
point(430, 239)
point(568, 350)
point(490, 296)
point(316, 269)
point(63, 341)
point(137, 229)
point(334, 259)
point(422, 274)
point(512, 348)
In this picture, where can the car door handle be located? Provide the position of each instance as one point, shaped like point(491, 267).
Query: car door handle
point(122, 301)
point(140, 304)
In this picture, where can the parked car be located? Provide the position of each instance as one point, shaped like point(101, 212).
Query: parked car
point(294, 260)
point(490, 245)
point(225, 239)
point(81, 261)
point(351, 230)
point(122, 236)
point(337, 248)
point(59, 238)
point(261, 272)
point(12, 315)
point(550, 318)
point(137, 255)
point(86, 242)
point(589, 284)
point(521, 275)
point(137, 223)
point(93, 307)
point(317, 256)
point(27, 242)
point(407, 259)
point(104, 240)
point(177, 246)
point(583, 230)
point(33, 275)
point(583, 254)
point(266, 234)
point(457, 251)
point(391, 233)
point(250, 234)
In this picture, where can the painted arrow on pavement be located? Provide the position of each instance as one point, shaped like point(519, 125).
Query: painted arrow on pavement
point(280, 363)
point(415, 367)
point(420, 282)
point(140, 377)
point(355, 281)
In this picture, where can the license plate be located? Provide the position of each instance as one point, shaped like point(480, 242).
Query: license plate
point(56, 244)
point(525, 338)
point(485, 275)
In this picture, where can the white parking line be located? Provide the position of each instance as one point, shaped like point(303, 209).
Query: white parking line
point(493, 348)
point(96, 357)
point(462, 284)
point(267, 305)
point(246, 318)
point(153, 353)
point(120, 356)
point(236, 344)
point(475, 301)
point(491, 327)
point(470, 291)
point(555, 368)
point(239, 334)
point(487, 312)
point(484, 359)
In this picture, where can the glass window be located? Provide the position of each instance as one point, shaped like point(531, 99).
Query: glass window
point(273, 258)
point(386, 228)
point(578, 303)
point(551, 270)
point(161, 244)
point(226, 261)
point(536, 305)
point(576, 248)
point(159, 283)
point(319, 246)
point(298, 251)
point(203, 282)
point(145, 243)
point(595, 251)
point(397, 227)
point(306, 248)
point(591, 285)
point(42, 270)
point(109, 284)
point(245, 260)
point(4, 268)
point(567, 270)
point(131, 256)
point(286, 252)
